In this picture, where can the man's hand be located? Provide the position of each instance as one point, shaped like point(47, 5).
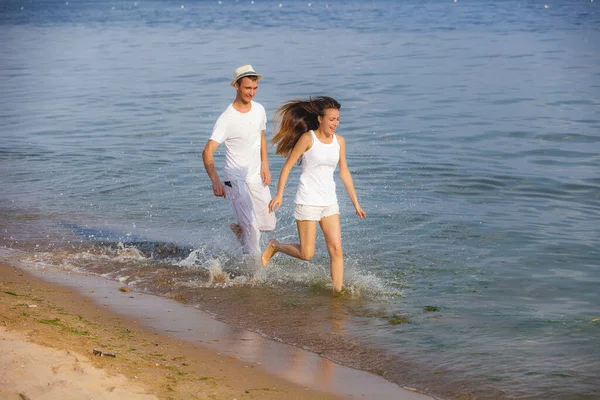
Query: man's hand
point(265, 174)
point(219, 189)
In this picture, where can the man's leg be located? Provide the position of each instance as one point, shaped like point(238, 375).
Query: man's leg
point(237, 231)
point(261, 196)
point(241, 204)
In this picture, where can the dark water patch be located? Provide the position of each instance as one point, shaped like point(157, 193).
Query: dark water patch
point(558, 153)
point(510, 101)
point(575, 102)
point(571, 137)
point(539, 192)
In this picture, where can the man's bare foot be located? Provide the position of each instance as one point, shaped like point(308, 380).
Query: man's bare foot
point(269, 252)
point(237, 231)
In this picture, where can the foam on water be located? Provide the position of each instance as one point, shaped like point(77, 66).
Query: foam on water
point(232, 270)
point(126, 253)
point(126, 263)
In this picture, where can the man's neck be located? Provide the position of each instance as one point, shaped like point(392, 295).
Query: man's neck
point(241, 106)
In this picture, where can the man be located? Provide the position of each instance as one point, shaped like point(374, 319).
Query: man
point(241, 127)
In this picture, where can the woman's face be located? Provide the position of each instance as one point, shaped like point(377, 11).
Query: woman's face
point(329, 122)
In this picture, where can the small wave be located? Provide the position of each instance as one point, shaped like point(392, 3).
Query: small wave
point(204, 269)
point(234, 270)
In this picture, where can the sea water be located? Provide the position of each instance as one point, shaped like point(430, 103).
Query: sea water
point(473, 137)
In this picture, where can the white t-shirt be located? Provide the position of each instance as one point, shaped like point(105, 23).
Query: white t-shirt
point(317, 187)
point(241, 134)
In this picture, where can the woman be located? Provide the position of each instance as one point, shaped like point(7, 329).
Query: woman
point(307, 129)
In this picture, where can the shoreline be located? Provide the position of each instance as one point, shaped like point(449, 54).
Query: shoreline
point(160, 349)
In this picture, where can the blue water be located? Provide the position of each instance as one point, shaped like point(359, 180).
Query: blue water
point(473, 133)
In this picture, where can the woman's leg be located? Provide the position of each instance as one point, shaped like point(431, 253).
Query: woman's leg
point(307, 232)
point(333, 238)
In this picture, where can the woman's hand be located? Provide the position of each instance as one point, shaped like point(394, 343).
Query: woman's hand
point(360, 212)
point(275, 203)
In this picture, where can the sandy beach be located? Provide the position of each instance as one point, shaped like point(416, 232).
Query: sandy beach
point(49, 333)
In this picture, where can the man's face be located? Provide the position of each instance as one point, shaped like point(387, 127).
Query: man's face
point(246, 89)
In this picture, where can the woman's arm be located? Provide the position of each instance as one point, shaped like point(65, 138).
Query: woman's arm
point(302, 145)
point(347, 178)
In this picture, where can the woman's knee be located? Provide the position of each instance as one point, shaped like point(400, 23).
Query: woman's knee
point(307, 254)
point(335, 249)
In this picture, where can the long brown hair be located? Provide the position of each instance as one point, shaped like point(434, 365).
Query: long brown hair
point(297, 117)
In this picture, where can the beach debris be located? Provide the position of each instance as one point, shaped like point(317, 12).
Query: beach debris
point(431, 308)
point(102, 353)
point(32, 305)
point(124, 289)
point(596, 320)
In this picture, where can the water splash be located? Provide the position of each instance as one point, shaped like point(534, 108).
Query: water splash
point(129, 252)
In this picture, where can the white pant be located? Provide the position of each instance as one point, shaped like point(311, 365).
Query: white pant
point(250, 205)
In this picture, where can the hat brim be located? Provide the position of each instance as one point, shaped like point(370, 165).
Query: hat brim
point(245, 74)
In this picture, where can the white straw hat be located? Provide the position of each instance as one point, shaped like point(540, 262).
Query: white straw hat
point(244, 70)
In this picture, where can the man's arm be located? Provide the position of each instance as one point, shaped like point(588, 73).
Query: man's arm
point(265, 173)
point(211, 170)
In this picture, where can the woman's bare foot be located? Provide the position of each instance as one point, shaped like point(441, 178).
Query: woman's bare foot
point(269, 252)
point(237, 231)
point(339, 293)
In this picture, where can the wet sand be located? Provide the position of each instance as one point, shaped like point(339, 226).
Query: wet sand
point(51, 321)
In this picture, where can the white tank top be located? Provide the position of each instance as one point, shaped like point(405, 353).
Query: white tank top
point(317, 187)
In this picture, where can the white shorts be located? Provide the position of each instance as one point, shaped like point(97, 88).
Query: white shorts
point(303, 212)
point(250, 205)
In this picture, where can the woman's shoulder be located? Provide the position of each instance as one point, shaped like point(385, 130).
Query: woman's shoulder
point(306, 136)
point(306, 140)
